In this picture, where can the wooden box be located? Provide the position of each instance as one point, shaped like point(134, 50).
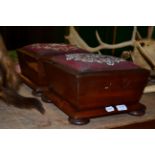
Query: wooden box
point(30, 60)
point(90, 85)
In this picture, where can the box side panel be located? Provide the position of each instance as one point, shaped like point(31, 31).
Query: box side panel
point(111, 88)
point(62, 82)
point(32, 68)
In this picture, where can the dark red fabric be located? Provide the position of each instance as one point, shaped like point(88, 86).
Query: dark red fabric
point(92, 66)
point(44, 49)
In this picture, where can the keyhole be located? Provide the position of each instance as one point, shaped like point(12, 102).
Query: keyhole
point(107, 86)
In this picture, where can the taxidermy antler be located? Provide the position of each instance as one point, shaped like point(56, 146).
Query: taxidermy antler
point(75, 39)
point(9, 83)
point(142, 55)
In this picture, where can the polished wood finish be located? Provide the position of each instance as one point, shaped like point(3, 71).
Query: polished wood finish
point(30, 59)
point(32, 72)
point(83, 95)
point(81, 117)
point(86, 95)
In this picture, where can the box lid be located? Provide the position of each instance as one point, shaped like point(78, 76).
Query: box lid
point(45, 49)
point(88, 62)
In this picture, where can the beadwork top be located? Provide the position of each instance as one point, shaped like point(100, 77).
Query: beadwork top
point(91, 58)
point(43, 49)
point(88, 62)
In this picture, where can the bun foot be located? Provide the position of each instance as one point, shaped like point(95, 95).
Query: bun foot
point(81, 121)
point(137, 112)
point(46, 99)
point(37, 92)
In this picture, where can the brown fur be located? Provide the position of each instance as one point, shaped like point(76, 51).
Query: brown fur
point(9, 84)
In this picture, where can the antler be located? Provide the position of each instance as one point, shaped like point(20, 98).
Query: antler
point(149, 89)
point(119, 45)
point(75, 39)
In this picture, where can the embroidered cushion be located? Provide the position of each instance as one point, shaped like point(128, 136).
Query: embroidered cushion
point(44, 49)
point(87, 62)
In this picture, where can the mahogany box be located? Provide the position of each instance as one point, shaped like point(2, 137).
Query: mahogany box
point(85, 85)
point(30, 61)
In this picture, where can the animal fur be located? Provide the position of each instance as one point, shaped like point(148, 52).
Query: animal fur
point(9, 84)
